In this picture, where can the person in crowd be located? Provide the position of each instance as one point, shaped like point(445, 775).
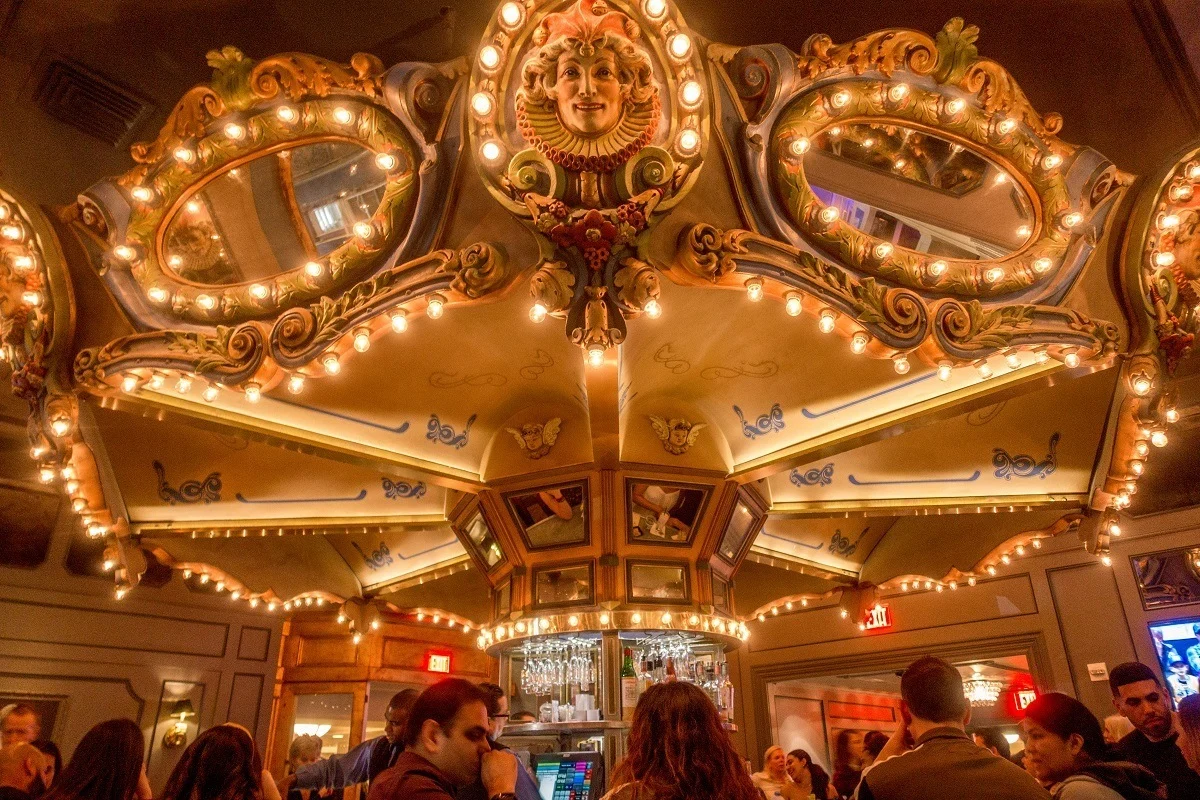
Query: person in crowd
point(930, 756)
point(362, 763)
point(270, 790)
point(1116, 728)
point(304, 750)
point(1166, 651)
point(773, 781)
point(678, 750)
point(1141, 699)
point(522, 717)
point(809, 778)
point(873, 742)
point(1066, 750)
point(446, 748)
point(1180, 681)
point(52, 763)
point(1193, 652)
point(107, 764)
point(21, 766)
point(847, 761)
point(497, 710)
point(992, 740)
point(222, 764)
point(18, 723)
point(1189, 731)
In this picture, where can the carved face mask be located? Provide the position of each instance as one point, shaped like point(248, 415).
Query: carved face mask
point(587, 92)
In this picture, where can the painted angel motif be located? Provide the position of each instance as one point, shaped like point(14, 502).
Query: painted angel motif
point(537, 439)
point(677, 435)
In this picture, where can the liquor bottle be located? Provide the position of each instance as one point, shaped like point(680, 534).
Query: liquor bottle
point(629, 687)
point(670, 673)
point(645, 679)
point(726, 692)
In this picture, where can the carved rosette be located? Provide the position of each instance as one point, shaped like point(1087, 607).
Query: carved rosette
point(273, 105)
point(899, 319)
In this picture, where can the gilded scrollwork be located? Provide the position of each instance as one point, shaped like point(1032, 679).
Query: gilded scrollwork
point(552, 286)
point(227, 355)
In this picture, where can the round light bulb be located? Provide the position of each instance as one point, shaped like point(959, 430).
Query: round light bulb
point(690, 93)
point(800, 146)
point(157, 294)
point(680, 45)
point(342, 115)
point(829, 215)
point(1193, 172)
point(206, 301)
point(11, 232)
point(31, 298)
point(898, 92)
point(604, 618)
point(1137, 467)
point(689, 141)
point(129, 383)
point(399, 319)
point(1171, 414)
point(386, 161)
point(435, 307)
point(511, 14)
point(945, 370)
point(1158, 439)
point(184, 155)
point(827, 320)
point(595, 356)
point(984, 369)
point(124, 252)
point(481, 103)
point(653, 308)
point(792, 304)
point(1071, 358)
point(955, 106)
point(655, 9)
point(22, 263)
point(1168, 221)
point(993, 275)
point(1072, 219)
point(235, 131)
point(286, 113)
point(362, 340)
point(636, 619)
point(1013, 359)
point(937, 268)
point(901, 364)
point(364, 230)
point(1164, 259)
point(666, 618)
point(840, 99)
point(491, 152)
point(859, 342)
point(60, 426)
point(313, 269)
point(157, 380)
point(210, 393)
point(295, 384)
point(331, 364)
point(1006, 126)
point(883, 249)
point(142, 194)
point(258, 291)
point(1142, 384)
point(489, 57)
point(1051, 160)
point(1042, 265)
point(537, 312)
point(754, 289)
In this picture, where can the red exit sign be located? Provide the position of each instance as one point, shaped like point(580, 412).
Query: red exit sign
point(1025, 697)
point(878, 617)
point(437, 662)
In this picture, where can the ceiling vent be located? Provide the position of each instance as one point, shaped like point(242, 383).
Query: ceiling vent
point(86, 100)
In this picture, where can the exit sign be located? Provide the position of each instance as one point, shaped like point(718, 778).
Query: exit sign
point(437, 662)
point(878, 617)
point(1025, 697)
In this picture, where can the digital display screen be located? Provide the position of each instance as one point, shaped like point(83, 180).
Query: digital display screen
point(1177, 644)
point(568, 776)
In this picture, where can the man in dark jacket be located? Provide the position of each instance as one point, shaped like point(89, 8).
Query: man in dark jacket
point(362, 763)
point(1142, 700)
point(930, 757)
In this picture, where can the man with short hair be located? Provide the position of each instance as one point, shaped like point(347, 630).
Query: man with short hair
point(497, 709)
point(930, 756)
point(18, 723)
point(362, 763)
point(1141, 699)
point(446, 748)
point(21, 767)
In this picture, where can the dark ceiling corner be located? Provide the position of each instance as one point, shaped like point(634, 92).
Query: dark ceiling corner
point(89, 101)
point(1167, 47)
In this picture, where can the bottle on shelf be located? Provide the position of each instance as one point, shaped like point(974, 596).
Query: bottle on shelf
point(629, 686)
point(669, 675)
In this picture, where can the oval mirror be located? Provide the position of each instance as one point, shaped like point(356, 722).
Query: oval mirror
point(275, 213)
point(919, 191)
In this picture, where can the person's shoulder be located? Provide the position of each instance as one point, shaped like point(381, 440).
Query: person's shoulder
point(1084, 787)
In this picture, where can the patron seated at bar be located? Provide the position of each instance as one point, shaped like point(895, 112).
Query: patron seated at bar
point(931, 757)
point(1140, 697)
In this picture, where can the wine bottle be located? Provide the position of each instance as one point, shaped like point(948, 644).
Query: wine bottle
point(629, 687)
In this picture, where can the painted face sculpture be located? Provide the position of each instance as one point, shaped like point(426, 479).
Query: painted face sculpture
point(587, 98)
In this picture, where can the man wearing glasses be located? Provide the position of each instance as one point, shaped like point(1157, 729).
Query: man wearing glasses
point(498, 711)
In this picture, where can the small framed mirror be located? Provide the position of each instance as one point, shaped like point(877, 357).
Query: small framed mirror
point(563, 585)
point(483, 541)
point(658, 582)
point(744, 521)
point(551, 516)
point(720, 592)
point(664, 513)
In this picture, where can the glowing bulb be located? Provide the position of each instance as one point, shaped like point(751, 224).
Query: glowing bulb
point(1042, 265)
point(1071, 357)
point(296, 384)
point(1142, 384)
point(374, 624)
point(655, 8)
point(1106, 560)
point(11, 232)
point(829, 215)
point(898, 92)
point(991, 569)
point(537, 312)
point(386, 161)
point(754, 289)
point(1006, 558)
point(993, 275)
point(901, 364)
point(31, 298)
point(124, 252)
point(984, 369)
point(1013, 359)
point(762, 617)
point(399, 318)
point(253, 392)
point(1171, 414)
point(595, 356)
point(840, 99)
point(481, 103)
point(362, 339)
point(157, 294)
point(364, 230)
point(1023, 231)
point(206, 301)
point(944, 370)
point(844, 613)
point(1051, 161)
point(331, 364)
point(827, 320)
point(636, 619)
point(258, 291)
point(694, 620)
point(1041, 356)
point(1193, 172)
point(510, 14)
point(342, 116)
point(235, 131)
point(313, 269)
point(22, 263)
point(690, 94)
point(157, 380)
point(1164, 259)
point(653, 308)
point(490, 151)
point(1006, 126)
point(356, 638)
point(1141, 448)
point(680, 45)
point(120, 592)
point(859, 342)
point(883, 249)
point(1114, 529)
point(955, 106)
point(1158, 439)
point(689, 141)
point(489, 57)
point(184, 155)
point(175, 260)
point(800, 146)
point(937, 268)
point(435, 307)
point(792, 304)
point(666, 618)
point(286, 114)
point(1072, 219)
point(46, 475)
point(603, 618)
point(210, 393)
point(129, 383)
point(1168, 221)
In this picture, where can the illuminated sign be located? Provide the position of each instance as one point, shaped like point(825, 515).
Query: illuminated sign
point(1025, 697)
point(438, 662)
point(877, 617)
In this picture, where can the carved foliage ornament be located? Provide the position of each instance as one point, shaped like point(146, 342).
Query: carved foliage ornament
point(252, 109)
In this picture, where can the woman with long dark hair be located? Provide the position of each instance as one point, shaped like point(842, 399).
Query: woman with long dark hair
point(677, 750)
point(107, 765)
point(847, 761)
point(222, 764)
point(810, 778)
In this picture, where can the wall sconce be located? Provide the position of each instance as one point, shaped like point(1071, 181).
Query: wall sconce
point(176, 735)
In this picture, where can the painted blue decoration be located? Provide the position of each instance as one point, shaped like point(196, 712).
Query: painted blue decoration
point(205, 491)
point(380, 557)
point(398, 489)
point(360, 496)
point(444, 434)
point(789, 541)
point(974, 476)
point(399, 429)
point(771, 421)
point(1023, 466)
point(818, 414)
point(814, 476)
point(841, 546)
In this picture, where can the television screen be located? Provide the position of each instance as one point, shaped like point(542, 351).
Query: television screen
point(1177, 643)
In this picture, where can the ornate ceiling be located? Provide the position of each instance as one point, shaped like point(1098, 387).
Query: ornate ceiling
point(854, 313)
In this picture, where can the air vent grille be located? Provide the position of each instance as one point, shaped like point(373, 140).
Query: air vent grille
point(90, 102)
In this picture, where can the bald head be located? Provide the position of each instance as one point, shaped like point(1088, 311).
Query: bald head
point(21, 767)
